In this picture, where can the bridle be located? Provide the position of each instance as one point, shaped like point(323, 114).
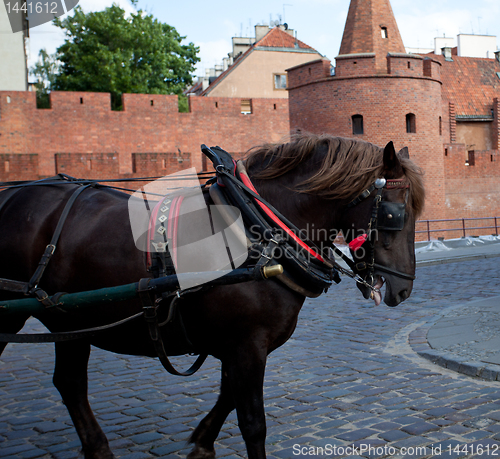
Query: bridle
point(386, 216)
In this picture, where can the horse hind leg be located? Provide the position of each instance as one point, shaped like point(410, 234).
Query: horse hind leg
point(208, 429)
point(70, 379)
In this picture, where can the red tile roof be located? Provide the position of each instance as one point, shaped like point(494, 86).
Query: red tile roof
point(277, 38)
point(472, 83)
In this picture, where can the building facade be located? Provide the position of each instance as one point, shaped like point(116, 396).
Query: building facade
point(444, 109)
point(13, 64)
point(257, 66)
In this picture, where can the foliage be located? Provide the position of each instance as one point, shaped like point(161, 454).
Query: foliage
point(183, 103)
point(45, 71)
point(107, 52)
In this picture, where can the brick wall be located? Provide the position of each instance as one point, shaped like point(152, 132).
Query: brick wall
point(472, 190)
point(308, 72)
point(18, 167)
point(405, 64)
point(496, 123)
point(355, 64)
point(87, 165)
point(144, 164)
point(80, 135)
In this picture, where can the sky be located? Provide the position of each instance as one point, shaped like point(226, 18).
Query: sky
point(318, 23)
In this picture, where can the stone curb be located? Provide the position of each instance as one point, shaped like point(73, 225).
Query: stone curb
point(442, 261)
point(418, 342)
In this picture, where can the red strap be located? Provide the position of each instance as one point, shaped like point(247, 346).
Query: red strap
point(246, 180)
point(397, 183)
point(355, 244)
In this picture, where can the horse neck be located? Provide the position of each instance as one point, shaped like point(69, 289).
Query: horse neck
point(313, 215)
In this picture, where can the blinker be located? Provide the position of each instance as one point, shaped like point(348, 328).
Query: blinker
point(391, 216)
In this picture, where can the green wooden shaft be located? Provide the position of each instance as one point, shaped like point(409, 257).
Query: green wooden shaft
point(70, 301)
point(77, 301)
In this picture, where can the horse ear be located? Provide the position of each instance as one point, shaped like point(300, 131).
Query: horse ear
point(392, 166)
point(390, 157)
point(404, 153)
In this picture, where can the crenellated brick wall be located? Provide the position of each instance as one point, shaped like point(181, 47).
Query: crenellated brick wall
point(80, 135)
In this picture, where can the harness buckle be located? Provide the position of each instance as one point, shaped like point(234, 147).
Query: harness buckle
point(361, 266)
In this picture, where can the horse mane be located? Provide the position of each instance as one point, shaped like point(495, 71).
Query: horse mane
point(349, 166)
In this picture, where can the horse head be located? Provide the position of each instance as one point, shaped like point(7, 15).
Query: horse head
point(385, 216)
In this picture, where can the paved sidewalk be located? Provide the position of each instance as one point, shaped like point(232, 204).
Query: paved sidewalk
point(465, 337)
point(455, 250)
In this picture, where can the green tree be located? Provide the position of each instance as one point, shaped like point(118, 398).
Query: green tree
point(106, 51)
point(45, 71)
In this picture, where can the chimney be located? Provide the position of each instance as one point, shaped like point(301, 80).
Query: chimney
point(446, 51)
point(497, 55)
point(261, 31)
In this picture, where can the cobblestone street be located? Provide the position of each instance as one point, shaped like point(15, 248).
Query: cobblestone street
point(347, 377)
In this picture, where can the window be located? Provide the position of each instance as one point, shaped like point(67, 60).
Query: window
point(470, 160)
point(246, 106)
point(279, 81)
point(383, 31)
point(440, 126)
point(411, 124)
point(357, 125)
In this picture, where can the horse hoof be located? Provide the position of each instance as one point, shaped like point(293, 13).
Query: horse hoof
point(101, 454)
point(201, 453)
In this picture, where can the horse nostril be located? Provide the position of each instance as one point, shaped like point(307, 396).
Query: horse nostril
point(404, 295)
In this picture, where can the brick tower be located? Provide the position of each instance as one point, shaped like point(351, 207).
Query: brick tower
point(377, 92)
point(371, 28)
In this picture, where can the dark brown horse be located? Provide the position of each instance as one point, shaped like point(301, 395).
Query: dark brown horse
point(310, 180)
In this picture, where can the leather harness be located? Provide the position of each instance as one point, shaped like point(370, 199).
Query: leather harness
point(307, 271)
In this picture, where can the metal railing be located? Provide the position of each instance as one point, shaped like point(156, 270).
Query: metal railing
point(463, 228)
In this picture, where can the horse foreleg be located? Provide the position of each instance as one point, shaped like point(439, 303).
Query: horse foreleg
point(70, 379)
point(11, 325)
point(246, 378)
point(208, 429)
